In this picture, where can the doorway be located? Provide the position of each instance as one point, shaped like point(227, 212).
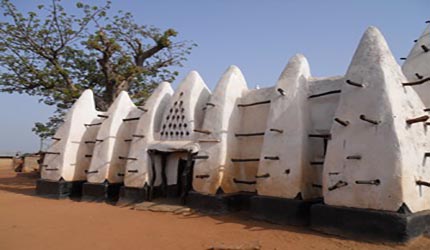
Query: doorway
point(184, 174)
point(184, 178)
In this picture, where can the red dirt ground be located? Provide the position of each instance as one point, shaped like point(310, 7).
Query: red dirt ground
point(31, 222)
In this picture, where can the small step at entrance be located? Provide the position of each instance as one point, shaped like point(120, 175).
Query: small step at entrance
point(164, 205)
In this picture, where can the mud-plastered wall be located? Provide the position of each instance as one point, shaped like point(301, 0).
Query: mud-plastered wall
point(323, 98)
point(417, 66)
point(284, 157)
point(148, 128)
point(108, 159)
point(65, 158)
point(242, 167)
point(182, 116)
point(376, 156)
point(217, 136)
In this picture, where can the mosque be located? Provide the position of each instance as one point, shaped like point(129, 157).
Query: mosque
point(346, 155)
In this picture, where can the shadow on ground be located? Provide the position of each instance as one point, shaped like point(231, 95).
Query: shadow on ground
point(20, 183)
point(25, 184)
point(242, 218)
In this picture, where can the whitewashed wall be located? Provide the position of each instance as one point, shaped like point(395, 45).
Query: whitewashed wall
point(252, 119)
point(105, 161)
point(376, 166)
point(417, 66)
point(71, 142)
point(221, 120)
point(147, 129)
point(182, 115)
point(284, 159)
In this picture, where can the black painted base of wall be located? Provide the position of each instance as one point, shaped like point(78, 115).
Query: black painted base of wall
point(220, 203)
point(59, 189)
point(172, 191)
point(99, 192)
point(282, 211)
point(369, 224)
point(131, 195)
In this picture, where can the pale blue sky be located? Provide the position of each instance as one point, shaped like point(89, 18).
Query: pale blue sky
point(259, 36)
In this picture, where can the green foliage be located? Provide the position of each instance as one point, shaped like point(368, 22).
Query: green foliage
point(55, 55)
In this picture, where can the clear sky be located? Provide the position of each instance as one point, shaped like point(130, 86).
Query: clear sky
point(259, 36)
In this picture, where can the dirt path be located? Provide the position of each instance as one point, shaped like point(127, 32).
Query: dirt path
point(31, 222)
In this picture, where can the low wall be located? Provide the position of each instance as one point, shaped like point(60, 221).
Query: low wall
point(31, 164)
point(6, 162)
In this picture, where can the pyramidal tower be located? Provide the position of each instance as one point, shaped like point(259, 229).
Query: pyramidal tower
point(217, 140)
point(348, 155)
point(169, 170)
point(284, 162)
point(378, 133)
point(417, 66)
point(376, 158)
point(108, 159)
point(64, 165)
point(148, 128)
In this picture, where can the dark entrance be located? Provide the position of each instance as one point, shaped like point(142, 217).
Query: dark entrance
point(184, 176)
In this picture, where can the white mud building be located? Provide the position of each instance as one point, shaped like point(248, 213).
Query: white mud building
point(346, 155)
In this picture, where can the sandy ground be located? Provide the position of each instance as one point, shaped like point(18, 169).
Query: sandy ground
point(31, 222)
